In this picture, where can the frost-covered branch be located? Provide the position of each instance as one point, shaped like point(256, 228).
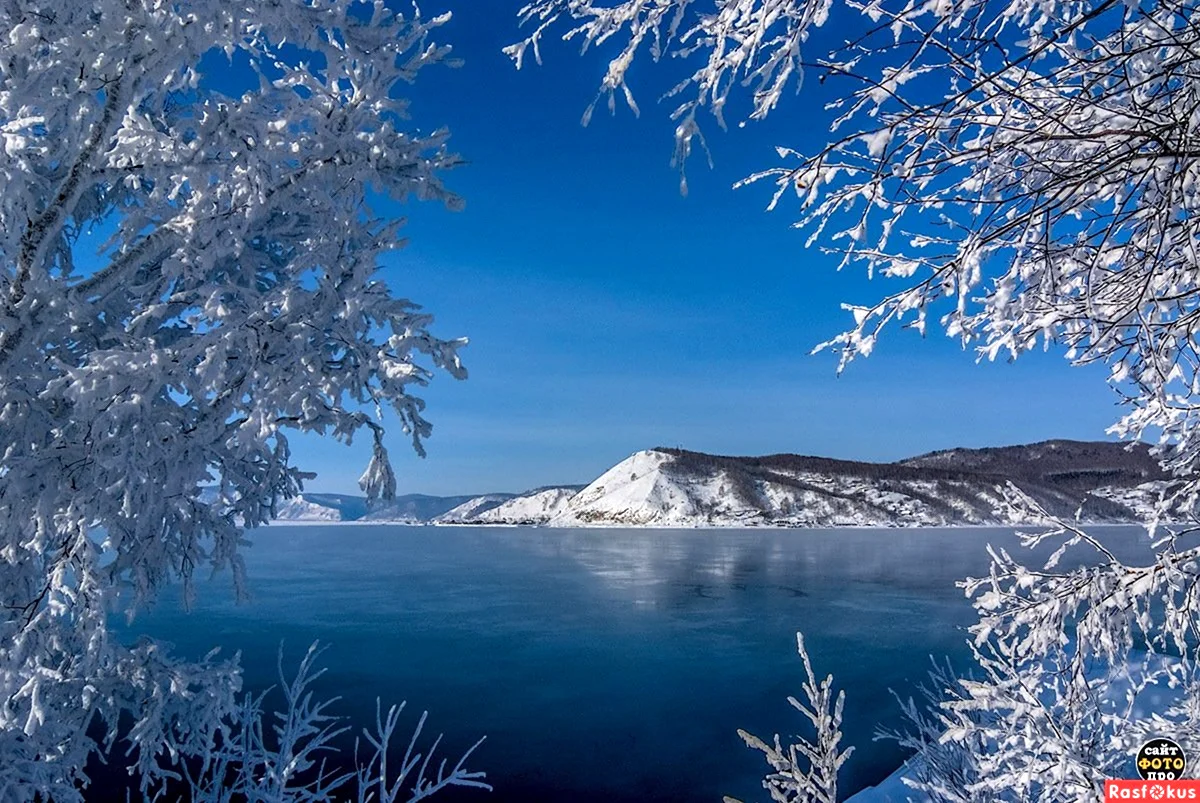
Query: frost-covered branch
point(1025, 172)
point(295, 760)
point(377, 785)
point(941, 770)
point(806, 772)
point(1074, 667)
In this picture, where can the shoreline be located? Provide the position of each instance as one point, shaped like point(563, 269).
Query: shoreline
point(755, 527)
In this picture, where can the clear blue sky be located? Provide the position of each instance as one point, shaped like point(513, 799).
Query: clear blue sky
point(608, 314)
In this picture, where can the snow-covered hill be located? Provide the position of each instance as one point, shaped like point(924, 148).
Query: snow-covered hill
point(535, 507)
point(300, 509)
point(676, 488)
point(471, 509)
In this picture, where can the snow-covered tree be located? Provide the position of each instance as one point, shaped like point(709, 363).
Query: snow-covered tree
point(1077, 663)
point(189, 271)
point(1027, 173)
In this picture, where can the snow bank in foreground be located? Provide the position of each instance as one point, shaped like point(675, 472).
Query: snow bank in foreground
point(890, 790)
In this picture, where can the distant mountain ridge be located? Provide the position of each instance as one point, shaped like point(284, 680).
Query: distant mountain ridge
point(409, 508)
point(1103, 481)
point(1063, 463)
point(417, 508)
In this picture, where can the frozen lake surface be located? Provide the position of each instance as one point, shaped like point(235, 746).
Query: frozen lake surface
point(604, 665)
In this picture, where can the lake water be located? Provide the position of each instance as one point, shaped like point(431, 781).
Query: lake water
point(603, 665)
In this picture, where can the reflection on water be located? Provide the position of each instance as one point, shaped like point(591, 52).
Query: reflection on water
point(604, 665)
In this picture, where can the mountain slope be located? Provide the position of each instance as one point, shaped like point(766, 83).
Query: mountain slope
point(1078, 465)
point(536, 507)
point(471, 509)
point(300, 509)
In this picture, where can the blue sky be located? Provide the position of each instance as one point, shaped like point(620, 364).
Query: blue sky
point(608, 314)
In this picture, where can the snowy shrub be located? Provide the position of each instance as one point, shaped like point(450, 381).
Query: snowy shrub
point(1074, 667)
point(285, 761)
point(806, 771)
point(940, 769)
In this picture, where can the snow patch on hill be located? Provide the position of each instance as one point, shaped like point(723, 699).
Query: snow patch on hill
point(471, 510)
point(300, 509)
point(636, 491)
point(413, 508)
point(539, 507)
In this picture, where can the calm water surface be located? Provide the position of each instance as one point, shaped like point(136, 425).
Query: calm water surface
point(603, 665)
